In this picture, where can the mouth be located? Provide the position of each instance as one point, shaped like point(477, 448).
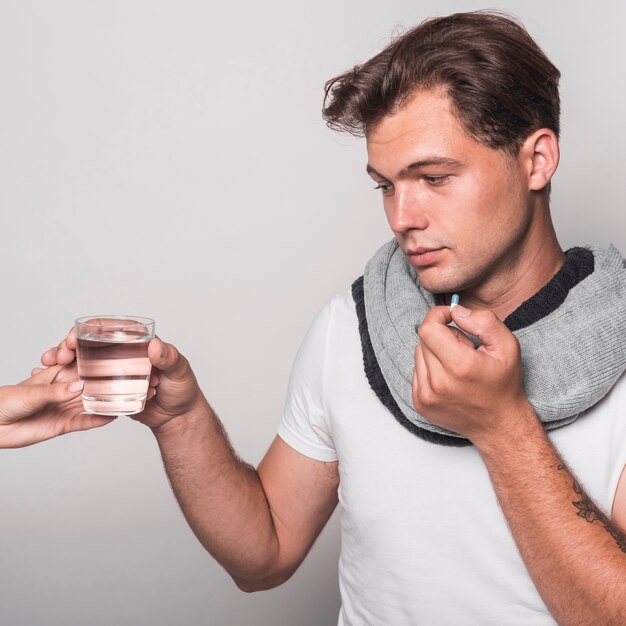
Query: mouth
point(421, 256)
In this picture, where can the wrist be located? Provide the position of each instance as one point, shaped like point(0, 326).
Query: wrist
point(197, 414)
point(519, 424)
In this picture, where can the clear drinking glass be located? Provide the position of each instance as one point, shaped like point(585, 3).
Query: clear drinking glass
point(112, 359)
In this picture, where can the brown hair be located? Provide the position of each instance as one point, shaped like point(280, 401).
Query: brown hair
point(501, 84)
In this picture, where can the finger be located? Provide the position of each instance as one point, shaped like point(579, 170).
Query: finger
point(484, 324)
point(42, 376)
point(442, 340)
point(433, 366)
point(155, 379)
point(70, 340)
point(165, 357)
point(65, 354)
point(58, 374)
point(49, 357)
point(420, 386)
point(35, 397)
point(83, 421)
point(19, 401)
point(61, 354)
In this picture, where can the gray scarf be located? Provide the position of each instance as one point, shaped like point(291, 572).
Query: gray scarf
point(573, 352)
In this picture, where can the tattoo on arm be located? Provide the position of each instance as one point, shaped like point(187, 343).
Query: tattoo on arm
point(588, 510)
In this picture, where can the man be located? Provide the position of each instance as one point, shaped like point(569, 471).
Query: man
point(461, 120)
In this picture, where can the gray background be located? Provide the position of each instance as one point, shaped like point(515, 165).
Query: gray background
point(168, 159)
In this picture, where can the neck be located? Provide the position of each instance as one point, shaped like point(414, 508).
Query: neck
point(520, 277)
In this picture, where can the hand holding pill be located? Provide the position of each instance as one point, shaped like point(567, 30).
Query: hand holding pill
point(471, 391)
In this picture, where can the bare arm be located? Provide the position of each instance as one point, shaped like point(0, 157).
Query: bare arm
point(573, 552)
point(576, 556)
point(258, 525)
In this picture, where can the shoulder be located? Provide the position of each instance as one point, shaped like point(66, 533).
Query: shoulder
point(342, 304)
point(338, 310)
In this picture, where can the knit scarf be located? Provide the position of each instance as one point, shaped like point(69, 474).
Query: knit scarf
point(572, 335)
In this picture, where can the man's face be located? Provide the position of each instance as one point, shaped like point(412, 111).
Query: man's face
point(459, 209)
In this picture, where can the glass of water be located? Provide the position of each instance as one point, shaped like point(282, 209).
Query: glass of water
point(112, 359)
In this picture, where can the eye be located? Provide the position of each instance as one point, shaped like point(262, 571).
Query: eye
point(436, 180)
point(384, 187)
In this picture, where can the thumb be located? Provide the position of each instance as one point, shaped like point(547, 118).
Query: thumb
point(35, 397)
point(165, 357)
point(19, 401)
point(483, 324)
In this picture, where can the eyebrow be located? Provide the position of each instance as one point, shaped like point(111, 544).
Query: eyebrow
point(427, 162)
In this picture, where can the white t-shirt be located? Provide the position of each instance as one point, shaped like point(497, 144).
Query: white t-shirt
point(424, 541)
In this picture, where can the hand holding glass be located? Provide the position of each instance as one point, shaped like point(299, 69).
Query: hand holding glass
point(113, 363)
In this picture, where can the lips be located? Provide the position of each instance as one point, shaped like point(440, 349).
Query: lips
point(422, 256)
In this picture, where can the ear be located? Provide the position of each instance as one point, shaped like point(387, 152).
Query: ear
point(540, 158)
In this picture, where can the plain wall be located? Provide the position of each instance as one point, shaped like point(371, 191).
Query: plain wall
point(168, 159)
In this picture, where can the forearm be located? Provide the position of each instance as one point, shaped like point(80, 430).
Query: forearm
point(575, 555)
point(220, 495)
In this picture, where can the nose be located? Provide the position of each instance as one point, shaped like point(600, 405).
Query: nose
point(405, 211)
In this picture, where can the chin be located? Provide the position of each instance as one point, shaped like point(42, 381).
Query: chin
point(437, 282)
